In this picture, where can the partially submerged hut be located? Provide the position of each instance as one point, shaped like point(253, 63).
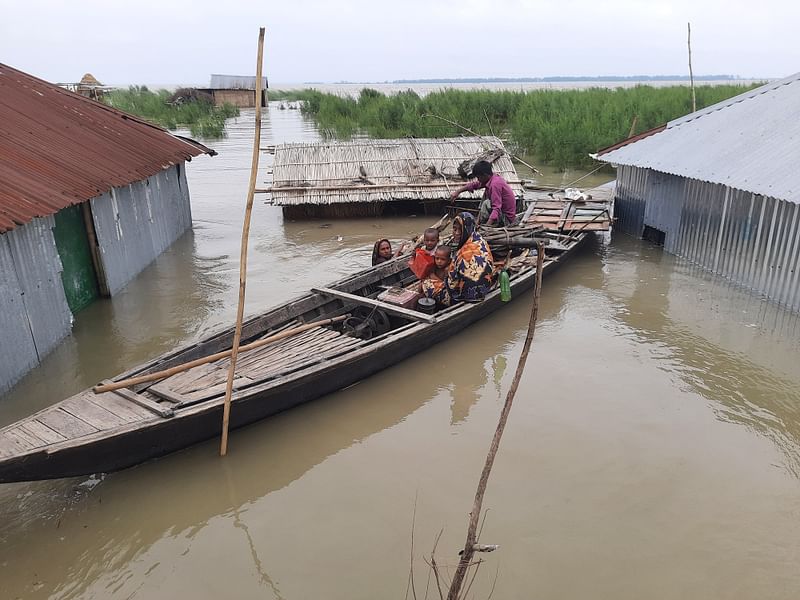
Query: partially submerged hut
point(91, 88)
point(721, 188)
point(89, 196)
point(239, 90)
point(365, 177)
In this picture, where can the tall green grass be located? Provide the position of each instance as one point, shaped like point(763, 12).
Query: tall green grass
point(560, 127)
point(197, 112)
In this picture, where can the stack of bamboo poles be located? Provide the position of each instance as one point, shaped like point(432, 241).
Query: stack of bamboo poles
point(517, 236)
point(503, 240)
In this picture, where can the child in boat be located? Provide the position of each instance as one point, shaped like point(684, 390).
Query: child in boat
point(435, 285)
point(421, 263)
point(430, 239)
point(382, 251)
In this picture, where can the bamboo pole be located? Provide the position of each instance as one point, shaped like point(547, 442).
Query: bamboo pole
point(116, 385)
point(633, 126)
point(237, 336)
point(471, 545)
point(691, 76)
point(368, 187)
point(468, 130)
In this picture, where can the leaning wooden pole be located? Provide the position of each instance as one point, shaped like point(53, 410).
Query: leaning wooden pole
point(691, 75)
point(237, 336)
point(471, 545)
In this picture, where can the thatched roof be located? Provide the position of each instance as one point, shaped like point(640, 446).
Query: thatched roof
point(368, 170)
point(89, 80)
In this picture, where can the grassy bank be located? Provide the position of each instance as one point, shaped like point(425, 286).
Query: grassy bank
point(561, 127)
point(187, 108)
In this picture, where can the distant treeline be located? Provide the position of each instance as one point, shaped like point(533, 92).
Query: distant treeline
point(185, 107)
point(559, 127)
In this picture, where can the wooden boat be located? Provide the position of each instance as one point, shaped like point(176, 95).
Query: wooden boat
point(101, 432)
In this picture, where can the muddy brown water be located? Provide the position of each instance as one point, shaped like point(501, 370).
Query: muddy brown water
point(653, 450)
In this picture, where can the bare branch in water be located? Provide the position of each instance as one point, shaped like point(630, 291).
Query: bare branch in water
point(470, 544)
point(494, 583)
point(434, 567)
point(483, 522)
point(410, 583)
point(474, 575)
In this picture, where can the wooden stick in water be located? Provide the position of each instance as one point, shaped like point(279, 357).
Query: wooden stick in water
point(471, 545)
point(237, 336)
point(116, 385)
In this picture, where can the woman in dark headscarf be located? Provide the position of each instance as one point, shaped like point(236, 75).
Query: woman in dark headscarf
point(470, 276)
point(381, 251)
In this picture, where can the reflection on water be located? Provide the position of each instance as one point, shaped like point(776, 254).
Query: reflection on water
point(652, 451)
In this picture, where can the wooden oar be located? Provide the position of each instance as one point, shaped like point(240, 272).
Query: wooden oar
point(110, 387)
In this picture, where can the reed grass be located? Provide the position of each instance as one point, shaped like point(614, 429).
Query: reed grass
point(197, 112)
point(561, 127)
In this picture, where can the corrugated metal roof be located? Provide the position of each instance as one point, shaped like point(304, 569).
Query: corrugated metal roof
point(58, 148)
point(235, 82)
point(749, 142)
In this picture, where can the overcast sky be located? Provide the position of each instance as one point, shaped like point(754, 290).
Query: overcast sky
point(182, 41)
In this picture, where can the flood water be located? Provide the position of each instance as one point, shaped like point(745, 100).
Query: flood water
point(653, 450)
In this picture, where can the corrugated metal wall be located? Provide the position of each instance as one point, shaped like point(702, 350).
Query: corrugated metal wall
point(34, 315)
point(629, 202)
point(136, 223)
point(750, 239)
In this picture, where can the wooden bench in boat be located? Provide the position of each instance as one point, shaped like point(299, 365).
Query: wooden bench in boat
point(386, 306)
point(84, 414)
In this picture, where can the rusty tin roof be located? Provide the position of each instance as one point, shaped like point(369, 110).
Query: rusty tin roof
point(58, 148)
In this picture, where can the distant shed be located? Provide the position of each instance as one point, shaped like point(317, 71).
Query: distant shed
point(239, 90)
point(721, 188)
point(89, 196)
point(359, 177)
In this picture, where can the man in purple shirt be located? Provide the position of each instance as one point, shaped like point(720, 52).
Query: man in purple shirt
point(499, 204)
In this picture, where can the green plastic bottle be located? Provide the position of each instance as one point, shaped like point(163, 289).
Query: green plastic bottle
point(505, 286)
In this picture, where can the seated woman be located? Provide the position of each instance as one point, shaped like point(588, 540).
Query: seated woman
point(382, 251)
point(435, 285)
point(470, 276)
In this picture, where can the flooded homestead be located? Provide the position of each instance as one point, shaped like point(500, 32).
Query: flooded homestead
point(653, 450)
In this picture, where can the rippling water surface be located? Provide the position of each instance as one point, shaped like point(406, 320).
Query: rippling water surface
point(652, 452)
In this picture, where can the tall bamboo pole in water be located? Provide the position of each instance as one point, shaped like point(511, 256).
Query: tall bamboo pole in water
point(237, 336)
point(691, 76)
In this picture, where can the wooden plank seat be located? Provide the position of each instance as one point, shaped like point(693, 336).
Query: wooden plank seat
point(84, 414)
point(385, 306)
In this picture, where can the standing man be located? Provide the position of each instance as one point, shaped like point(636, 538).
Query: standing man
point(499, 206)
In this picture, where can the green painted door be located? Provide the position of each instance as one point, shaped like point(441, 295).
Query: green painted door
point(78, 276)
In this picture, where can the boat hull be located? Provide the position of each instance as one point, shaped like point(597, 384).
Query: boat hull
point(161, 436)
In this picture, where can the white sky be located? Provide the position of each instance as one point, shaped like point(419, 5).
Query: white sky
point(182, 41)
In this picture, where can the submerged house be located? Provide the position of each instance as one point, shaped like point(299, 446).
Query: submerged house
point(239, 90)
point(721, 187)
point(367, 177)
point(89, 196)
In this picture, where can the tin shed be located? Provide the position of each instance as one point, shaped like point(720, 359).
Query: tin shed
point(89, 196)
point(721, 188)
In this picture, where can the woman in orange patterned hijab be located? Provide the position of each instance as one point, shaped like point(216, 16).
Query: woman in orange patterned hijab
point(470, 276)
